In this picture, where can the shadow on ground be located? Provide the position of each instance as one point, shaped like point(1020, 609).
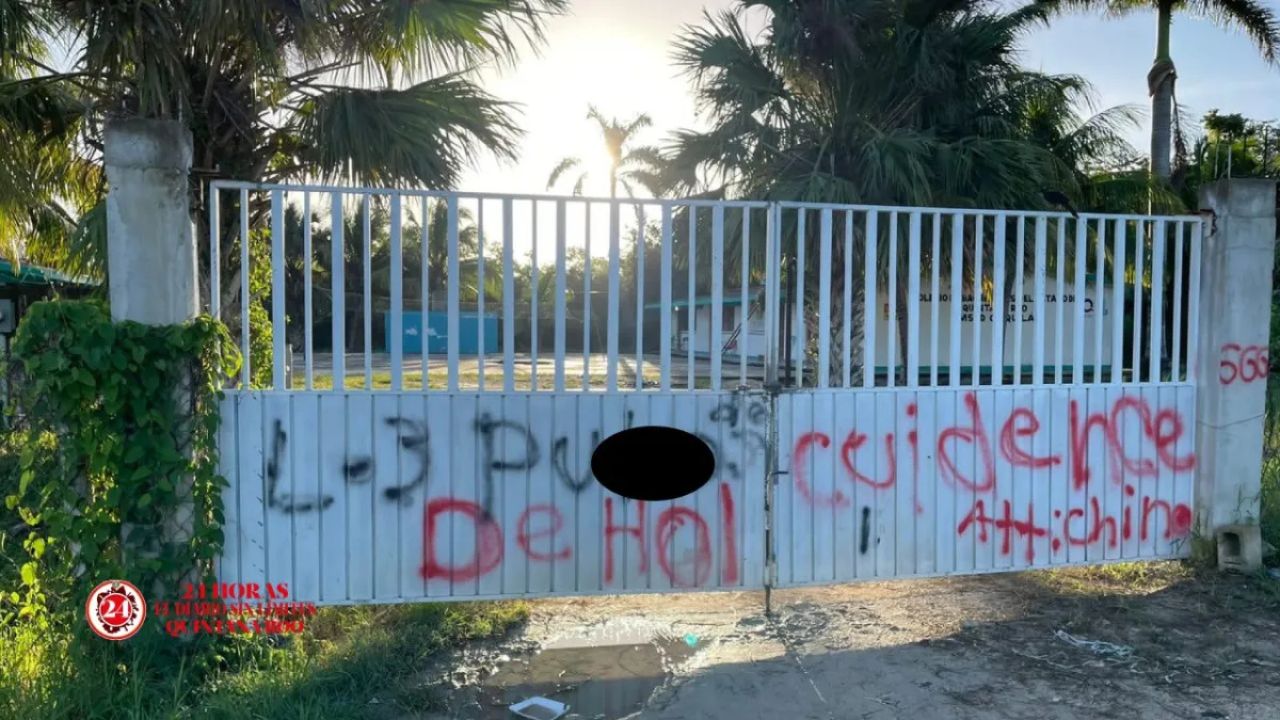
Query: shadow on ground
point(1142, 642)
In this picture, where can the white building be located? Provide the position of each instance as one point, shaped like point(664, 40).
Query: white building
point(735, 338)
point(974, 323)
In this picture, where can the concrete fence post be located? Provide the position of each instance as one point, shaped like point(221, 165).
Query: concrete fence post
point(151, 254)
point(151, 251)
point(1235, 324)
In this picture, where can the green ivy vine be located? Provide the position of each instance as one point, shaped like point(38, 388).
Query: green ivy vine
point(133, 414)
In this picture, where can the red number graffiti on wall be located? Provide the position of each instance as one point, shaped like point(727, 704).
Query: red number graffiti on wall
point(1246, 363)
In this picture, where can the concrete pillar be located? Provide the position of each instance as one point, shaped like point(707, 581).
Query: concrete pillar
point(1235, 321)
point(151, 256)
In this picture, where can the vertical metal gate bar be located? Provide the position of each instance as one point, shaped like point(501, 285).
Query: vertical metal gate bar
point(664, 297)
point(1194, 371)
point(744, 314)
point(1181, 230)
point(277, 291)
point(824, 298)
point(869, 302)
point(913, 300)
point(338, 333)
point(771, 295)
point(560, 320)
point(397, 297)
point(998, 297)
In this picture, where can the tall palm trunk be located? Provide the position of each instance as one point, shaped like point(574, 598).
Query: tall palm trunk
point(1160, 82)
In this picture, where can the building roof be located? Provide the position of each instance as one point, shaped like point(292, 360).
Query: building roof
point(732, 296)
point(28, 275)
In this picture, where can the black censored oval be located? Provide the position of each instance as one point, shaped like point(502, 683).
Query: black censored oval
point(653, 463)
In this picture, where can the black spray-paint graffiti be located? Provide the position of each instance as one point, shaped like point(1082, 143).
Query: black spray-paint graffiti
point(288, 503)
point(488, 428)
point(410, 435)
point(744, 421)
point(864, 538)
point(559, 450)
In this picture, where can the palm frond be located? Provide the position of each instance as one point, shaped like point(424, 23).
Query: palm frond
point(593, 113)
point(41, 106)
point(430, 36)
point(423, 135)
point(1257, 21)
point(637, 123)
point(561, 168)
point(646, 155)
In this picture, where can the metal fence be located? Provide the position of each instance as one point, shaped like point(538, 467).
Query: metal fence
point(886, 392)
point(612, 294)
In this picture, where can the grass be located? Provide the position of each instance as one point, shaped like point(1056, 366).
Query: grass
point(1270, 500)
point(1116, 578)
point(351, 663)
point(438, 379)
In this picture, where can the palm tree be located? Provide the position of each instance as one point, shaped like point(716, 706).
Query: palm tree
point(45, 184)
point(902, 102)
point(1253, 17)
point(369, 92)
point(628, 165)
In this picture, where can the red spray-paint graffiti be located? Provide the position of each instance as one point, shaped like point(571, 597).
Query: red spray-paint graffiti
point(1010, 433)
point(800, 469)
point(856, 440)
point(671, 520)
point(1005, 524)
point(730, 535)
point(1160, 430)
point(524, 537)
point(1176, 519)
point(635, 531)
point(488, 553)
point(681, 537)
point(1163, 429)
point(693, 566)
point(1248, 363)
point(975, 434)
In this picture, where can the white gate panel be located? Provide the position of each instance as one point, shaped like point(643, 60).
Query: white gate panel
point(391, 497)
point(929, 481)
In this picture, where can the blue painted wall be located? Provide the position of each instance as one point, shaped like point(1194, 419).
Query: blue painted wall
point(437, 333)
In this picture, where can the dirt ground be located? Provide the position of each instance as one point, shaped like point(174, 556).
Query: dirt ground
point(1136, 641)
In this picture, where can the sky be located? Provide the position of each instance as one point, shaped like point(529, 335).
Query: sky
point(617, 55)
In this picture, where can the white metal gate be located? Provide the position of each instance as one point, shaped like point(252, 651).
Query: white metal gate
point(923, 437)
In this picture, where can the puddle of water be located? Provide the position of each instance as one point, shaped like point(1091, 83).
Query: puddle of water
point(611, 680)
